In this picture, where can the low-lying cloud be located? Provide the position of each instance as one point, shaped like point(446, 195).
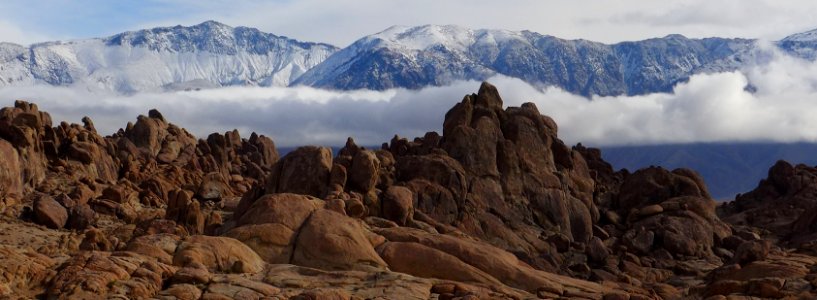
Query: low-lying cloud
point(708, 108)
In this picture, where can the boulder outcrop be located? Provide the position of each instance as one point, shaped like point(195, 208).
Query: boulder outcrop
point(495, 207)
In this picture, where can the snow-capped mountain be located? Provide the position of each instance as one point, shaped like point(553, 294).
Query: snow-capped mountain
point(801, 44)
point(209, 54)
point(414, 57)
point(212, 54)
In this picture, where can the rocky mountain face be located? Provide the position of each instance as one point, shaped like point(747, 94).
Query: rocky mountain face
point(497, 207)
point(210, 54)
point(414, 57)
point(214, 55)
point(801, 44)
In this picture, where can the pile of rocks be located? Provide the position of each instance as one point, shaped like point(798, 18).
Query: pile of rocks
point(495, 207)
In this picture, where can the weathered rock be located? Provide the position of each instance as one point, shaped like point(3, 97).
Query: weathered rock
point(11, 178)
point(80, 217)
point(640, 240)
point(751, 251)
point(331, 241)
point(364, 172)
point(494, 208)
point(185, 211)
point(94, 274)
point(398, 204)
point(651, 185)
point(191, 275)
point(49, 212)
point(597, 251)
point(499, 264)
point(303, 171)
point(181, 292)
point(148, 133)
point(159, 246)
point(213, 187)
point(96, 240)
point(766, 287)
point(422, 261)
point(288, 209)
point(221, 254)
point(271, 224)
point(783, 204)
point(22, 271)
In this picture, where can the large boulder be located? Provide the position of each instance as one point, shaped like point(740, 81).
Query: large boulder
point(185, 211)
point(22, 270)
point(220, 254)
point(149, 132)
point(11, 178)
point(305, 171)
point(213, 187)
point(398, 204)
point(287, 209)
point(364, 171)
point(271, 224)
point(331, 241)
point(24, 126)
point(423, 261)
point(93, 274)
point(653, 185)
point(50, 213)
point(499, 264)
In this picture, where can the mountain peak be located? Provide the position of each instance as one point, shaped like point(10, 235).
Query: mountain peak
point(676, 36)
point(211, 36)
point(807, 36)
point(452, 37)
point(208, 54)
point(211, 24)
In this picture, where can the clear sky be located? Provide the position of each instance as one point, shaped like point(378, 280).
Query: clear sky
point(340, 22)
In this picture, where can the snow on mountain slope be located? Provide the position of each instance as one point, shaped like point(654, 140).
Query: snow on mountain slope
point(802, 44)
point(206, 55)
point(213, 55)
point(12, 67)
point(435, 55)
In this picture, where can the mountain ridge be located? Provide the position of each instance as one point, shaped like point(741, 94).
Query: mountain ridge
point(411, 57)
point(212, 54)
point(209, 54)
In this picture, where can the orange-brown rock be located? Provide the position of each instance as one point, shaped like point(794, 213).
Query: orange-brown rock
point(303, 171)
point(221, 254)
point(49, 212)
point(364, 171)
point(94, 274)
point(398, 204)
point(11, 178)
point(23, 272)
point(496, 207)
point(423, 261)
point(331, 241)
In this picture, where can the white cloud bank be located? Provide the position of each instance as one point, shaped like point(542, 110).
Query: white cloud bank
point(709, 108)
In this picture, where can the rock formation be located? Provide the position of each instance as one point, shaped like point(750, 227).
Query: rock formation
point(496, 207)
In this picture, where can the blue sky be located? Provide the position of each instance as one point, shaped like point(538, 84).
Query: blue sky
point(341, 21)
point(85, 18)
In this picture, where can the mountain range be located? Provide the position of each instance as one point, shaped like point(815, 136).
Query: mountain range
point(209, 54)
point(212, 54)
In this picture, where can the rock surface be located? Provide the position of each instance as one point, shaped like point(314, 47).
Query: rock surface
point(496, 207)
